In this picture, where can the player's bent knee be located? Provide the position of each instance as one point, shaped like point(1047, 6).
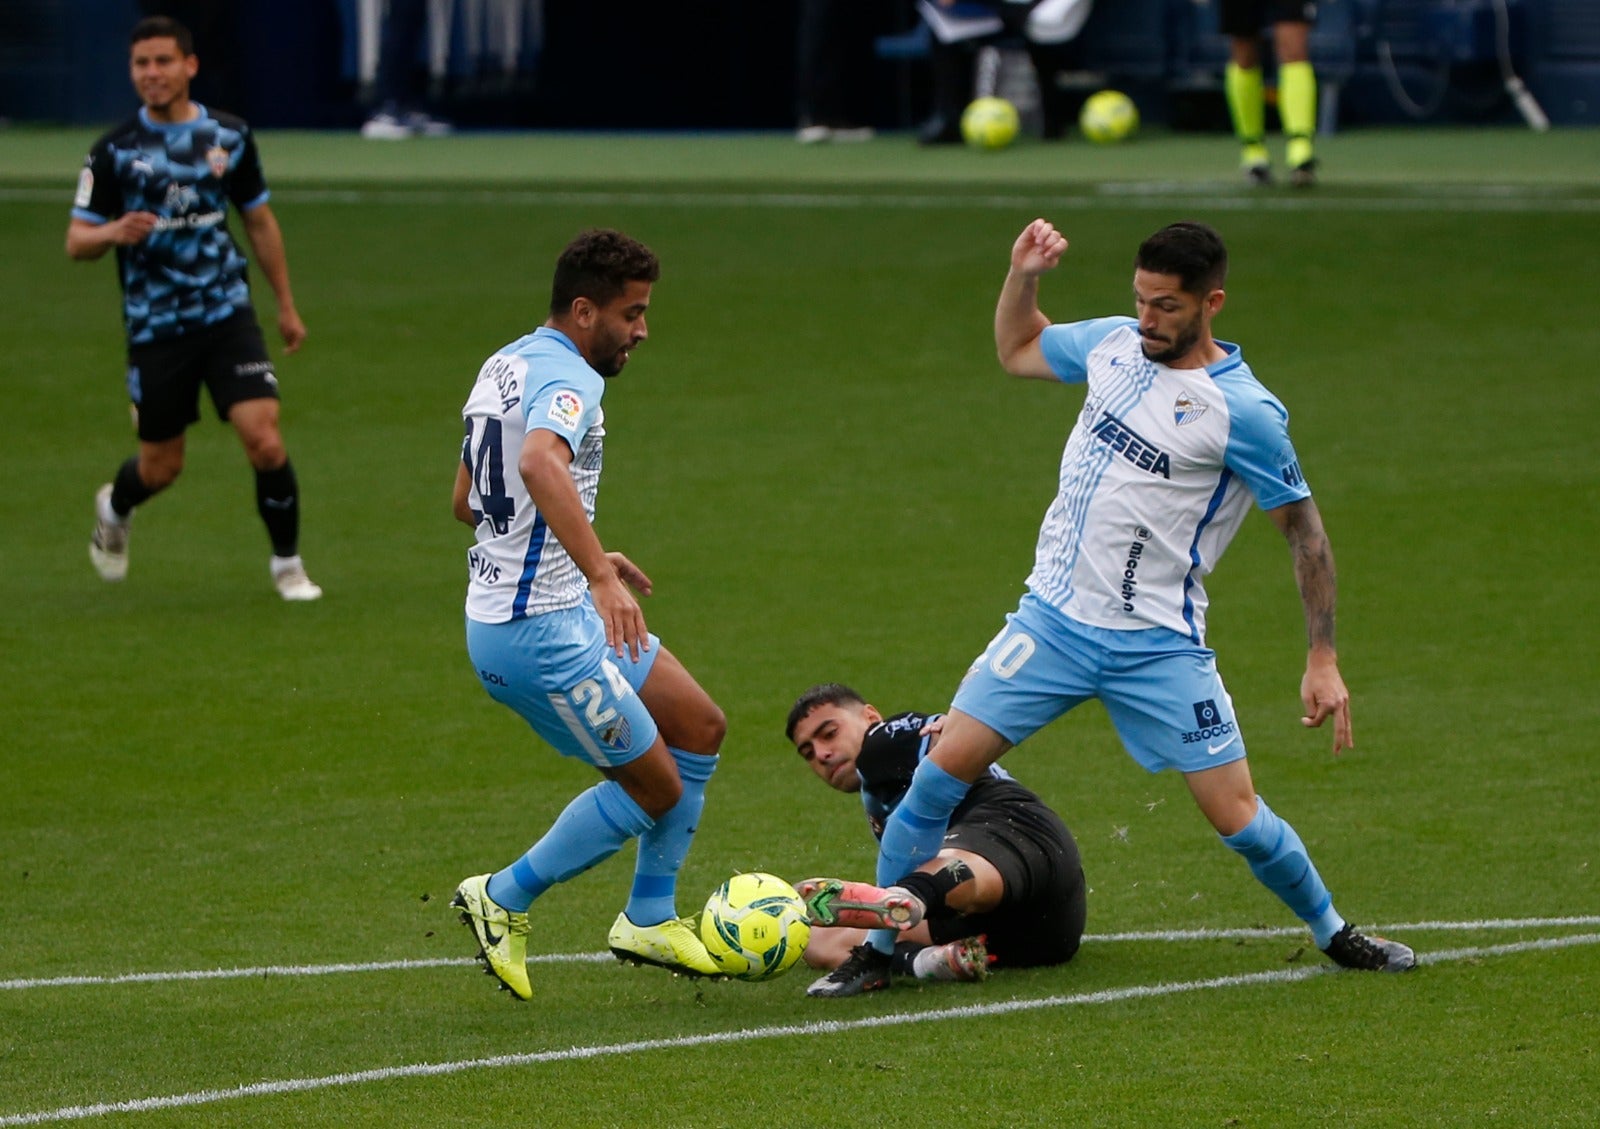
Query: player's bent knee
point(699, 730)
point(716, 728)
point(650, 780)
point(267, 455)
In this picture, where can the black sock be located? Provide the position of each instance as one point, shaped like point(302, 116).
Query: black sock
point(905, 955)
point(278, 502)
point(932, 889)
point(128, 489)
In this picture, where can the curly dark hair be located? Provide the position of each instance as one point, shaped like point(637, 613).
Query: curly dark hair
point(598, 265)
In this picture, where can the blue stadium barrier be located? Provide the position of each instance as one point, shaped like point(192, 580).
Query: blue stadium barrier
point(1127, 41)
point(1563, 59)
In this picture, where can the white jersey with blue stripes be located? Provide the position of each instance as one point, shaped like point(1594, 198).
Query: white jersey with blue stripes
point(1156, 478)
point(518, 568)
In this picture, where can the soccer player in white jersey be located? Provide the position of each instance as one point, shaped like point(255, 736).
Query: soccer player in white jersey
point(1175, 438)
point(554, 627)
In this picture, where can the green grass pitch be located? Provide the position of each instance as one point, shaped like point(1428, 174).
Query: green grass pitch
point(819, 463)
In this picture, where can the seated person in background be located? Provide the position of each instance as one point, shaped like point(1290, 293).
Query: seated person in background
point(1007, 889)
point(960, 27)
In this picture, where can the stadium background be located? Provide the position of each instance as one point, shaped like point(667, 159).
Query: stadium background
point(729, 64)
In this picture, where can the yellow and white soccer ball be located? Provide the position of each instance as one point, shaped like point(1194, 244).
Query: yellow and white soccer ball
point(755, 926)
point(1108, 117)
point(990, 123)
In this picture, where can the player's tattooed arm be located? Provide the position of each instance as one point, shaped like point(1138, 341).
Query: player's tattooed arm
point(1322, 690)
point(1301, 526)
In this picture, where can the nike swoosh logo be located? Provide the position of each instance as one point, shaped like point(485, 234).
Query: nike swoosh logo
point(1213, 750)
point(489, 935)
point(279, 503)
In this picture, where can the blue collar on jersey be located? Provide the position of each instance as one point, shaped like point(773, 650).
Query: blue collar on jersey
point(1234, 359)
point(145, 119)
point(550, 331)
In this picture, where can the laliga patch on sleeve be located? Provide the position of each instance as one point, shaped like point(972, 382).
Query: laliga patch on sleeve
point(566, 409)
point(85, 189)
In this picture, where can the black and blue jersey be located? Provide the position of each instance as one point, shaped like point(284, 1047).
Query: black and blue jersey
point(890, 752)
point(188, 274)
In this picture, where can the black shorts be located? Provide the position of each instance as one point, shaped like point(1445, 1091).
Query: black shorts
point(164, 377)
point(1040, 920)
point(1248, 17)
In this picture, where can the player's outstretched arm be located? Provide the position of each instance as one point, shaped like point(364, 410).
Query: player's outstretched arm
point(1018, 321)
point(1322, 689)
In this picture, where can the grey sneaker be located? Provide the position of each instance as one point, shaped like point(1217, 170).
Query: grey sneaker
point(108, 546)
point(864, 970)
point(1350, 949)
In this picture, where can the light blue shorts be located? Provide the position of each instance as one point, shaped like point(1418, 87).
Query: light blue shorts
point(556, 671)
point(1163, 693)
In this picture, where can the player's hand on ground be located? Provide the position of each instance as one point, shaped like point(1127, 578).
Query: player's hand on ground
point(1323, 693)
point(292, 329)
point(632, 575)
point(622, 615)
point(131, 227)
point(1038, 249)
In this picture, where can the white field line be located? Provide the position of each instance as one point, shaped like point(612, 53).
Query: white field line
point(823, 1027)
point(1169, 935)
point(1149, 196)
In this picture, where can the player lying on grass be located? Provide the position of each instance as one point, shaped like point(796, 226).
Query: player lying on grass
point(1006, 889)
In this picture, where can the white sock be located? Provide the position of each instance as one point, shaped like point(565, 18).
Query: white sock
point(106, 514)
point(281, 565)
point(931, 963)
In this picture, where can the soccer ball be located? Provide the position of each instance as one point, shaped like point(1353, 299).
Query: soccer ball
point(755, 927)
point(990, 123)
point(1109, 116)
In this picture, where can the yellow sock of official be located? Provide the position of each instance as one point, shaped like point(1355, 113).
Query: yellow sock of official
point(1297, 106)
point(1247, 103)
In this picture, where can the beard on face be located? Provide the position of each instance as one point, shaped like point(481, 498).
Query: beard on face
point(1181, 344)
point(610, 356)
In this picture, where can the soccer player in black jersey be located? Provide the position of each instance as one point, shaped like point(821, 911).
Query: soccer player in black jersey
point(157, 189)
point(1007, 888)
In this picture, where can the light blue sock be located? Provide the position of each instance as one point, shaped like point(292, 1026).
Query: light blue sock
point(591, 829)
point(663, 848)
point(914, 832)
point(1279, 861)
